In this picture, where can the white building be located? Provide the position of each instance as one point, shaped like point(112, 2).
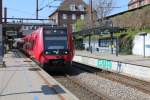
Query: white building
point(138, 45)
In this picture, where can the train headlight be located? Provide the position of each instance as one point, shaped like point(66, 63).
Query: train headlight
point(66, 52)
point(46, 52)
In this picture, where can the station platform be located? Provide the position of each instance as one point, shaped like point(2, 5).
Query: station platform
point(23, 79)
point(129, 65)
point(129, 59)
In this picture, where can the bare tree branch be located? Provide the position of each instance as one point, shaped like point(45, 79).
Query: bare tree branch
point(103, 8)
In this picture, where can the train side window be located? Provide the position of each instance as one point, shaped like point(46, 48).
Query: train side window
point(33, 43)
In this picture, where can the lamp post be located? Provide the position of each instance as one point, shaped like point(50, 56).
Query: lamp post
point(143, 34)
point(111, 35)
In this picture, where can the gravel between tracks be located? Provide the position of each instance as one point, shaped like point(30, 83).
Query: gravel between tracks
point(113, 89)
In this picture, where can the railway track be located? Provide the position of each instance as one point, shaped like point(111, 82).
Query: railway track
point(128, 81)
point(84, 92)
point(87, 92)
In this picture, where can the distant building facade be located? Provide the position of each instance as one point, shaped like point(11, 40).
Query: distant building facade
point(137, 3)
point(28, 28)
point(69, 12)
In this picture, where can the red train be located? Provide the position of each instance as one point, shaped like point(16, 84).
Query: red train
point(50, 45)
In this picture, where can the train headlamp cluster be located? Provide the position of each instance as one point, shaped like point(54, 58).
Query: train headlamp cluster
point(57, 52)
point(46, 52)
point(66, 52)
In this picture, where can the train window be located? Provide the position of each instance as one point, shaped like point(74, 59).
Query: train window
point(34, 42)
point(55, 39)
point(55, 32)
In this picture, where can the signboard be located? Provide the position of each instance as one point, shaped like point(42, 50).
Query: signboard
point(106, 64)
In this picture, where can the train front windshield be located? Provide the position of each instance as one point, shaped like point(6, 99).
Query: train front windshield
point(55, 41)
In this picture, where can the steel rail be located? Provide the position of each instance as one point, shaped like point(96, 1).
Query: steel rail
point(128, 81)
point(92, 92)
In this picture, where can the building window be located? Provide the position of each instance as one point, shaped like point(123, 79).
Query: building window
point(64, 16)
point(142, 3)
point(64, 25)
point(81, 7)
point(25, 28)
point(73, 17)
point(30, 27)
point(105, 42)
point(82, 17)
point(73, 7)
point(35, 27)
point(73, 27)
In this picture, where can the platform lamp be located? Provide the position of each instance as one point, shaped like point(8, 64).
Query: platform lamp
point(143, 34)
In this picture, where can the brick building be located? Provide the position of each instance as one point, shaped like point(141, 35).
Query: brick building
point(137, 3)
point(69, 12)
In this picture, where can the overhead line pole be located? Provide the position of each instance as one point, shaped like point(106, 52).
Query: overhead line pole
point(91, 9)
point(1, 34)
point(91, 18)
point(5, 14)
point(1, 7)
point(37, 9)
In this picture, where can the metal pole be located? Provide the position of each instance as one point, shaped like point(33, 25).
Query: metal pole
point(111, 42)
point(37, 8)
point(91, 10)
point(1, 7)
point(90, 49)
point(117, 46)
point(5, 15)
point(144, 45)
point(1, 35)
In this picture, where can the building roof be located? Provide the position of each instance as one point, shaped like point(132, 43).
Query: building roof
point(132, 1)
point(127, 11)
point(65, 6)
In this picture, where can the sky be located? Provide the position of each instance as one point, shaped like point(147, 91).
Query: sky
point(26, 8)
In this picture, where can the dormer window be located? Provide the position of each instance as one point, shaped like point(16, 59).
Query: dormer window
point(82, 17)
point(81, 7)
point(64, 16)
point(73, 7)
point(25, 28)
point(73, 16)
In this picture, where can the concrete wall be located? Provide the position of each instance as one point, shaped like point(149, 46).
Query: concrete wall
point(135, 71)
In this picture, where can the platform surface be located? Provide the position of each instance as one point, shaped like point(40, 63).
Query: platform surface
point(130, 59)
point(22, 79)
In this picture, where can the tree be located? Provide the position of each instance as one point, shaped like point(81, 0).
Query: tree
point(83, 24)
point(103, 8)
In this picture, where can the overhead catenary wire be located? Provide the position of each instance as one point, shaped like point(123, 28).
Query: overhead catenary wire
point(49, 5)
point(21, 11)
point(42, 3)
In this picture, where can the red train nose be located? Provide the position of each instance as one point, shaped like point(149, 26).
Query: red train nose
point(59, 57)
